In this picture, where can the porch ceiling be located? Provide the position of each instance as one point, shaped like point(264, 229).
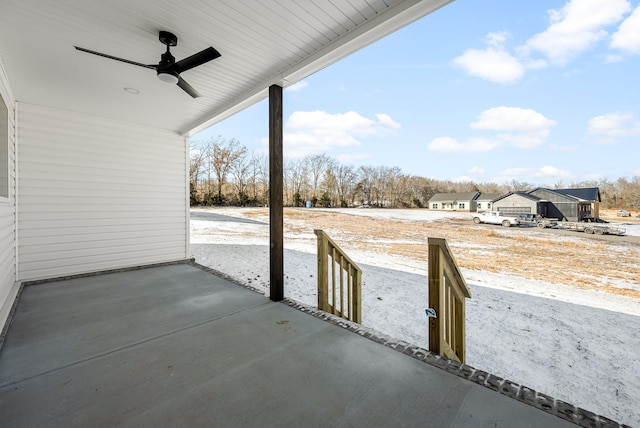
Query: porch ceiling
point(262, 43)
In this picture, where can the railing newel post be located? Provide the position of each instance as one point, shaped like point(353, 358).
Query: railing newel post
point(322, 270)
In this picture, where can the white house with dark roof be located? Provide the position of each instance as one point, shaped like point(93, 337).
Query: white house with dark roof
point(461, 201)
point(484, 202)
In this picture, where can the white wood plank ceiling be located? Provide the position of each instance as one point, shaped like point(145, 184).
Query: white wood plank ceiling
point(261, 42)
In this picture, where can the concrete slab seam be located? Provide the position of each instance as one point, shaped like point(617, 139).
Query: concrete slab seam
point(526, 395)
point(7, 323)
point(107, 272)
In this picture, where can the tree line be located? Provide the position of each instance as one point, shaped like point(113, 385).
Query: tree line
point(223, 172)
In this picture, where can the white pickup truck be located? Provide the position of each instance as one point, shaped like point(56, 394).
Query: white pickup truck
point(495, 217)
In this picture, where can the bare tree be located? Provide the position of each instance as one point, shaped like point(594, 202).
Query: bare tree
point(258, 177)
point(328, 187)
point(317, 165)
point(225, 154)
point(296, 180)
point(345, 183)
point(217, 160)
point(384, 184)
point(240, 171)
point(197, 158)
point(518, 186)
point(366, 184)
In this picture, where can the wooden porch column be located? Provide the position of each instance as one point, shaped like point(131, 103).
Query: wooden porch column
point(276, 232)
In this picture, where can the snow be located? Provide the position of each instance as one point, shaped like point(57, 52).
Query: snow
point(580, 346)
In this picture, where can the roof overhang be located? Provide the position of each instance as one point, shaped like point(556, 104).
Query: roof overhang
point(262, 44)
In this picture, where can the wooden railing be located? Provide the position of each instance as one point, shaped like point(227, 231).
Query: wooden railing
point(447, 293)
point(342, 295)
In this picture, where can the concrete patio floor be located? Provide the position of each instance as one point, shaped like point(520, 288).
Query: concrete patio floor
point(178, 346)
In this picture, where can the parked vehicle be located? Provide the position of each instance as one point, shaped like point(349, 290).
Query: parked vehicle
point(495, 217)
point(591, 219)
point(537, 220)
point(527, 217)
point(623, 213)
point(591, 228)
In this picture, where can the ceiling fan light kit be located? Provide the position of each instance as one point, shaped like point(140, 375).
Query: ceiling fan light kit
point(168, 77)
point(168, 70)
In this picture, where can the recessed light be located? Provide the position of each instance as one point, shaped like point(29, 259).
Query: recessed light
point(132, 91)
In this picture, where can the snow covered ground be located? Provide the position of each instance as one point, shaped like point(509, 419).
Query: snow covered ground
point(580, 346)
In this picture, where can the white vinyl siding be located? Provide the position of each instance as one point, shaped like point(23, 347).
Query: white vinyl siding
point(97, 194)
point(8, 283)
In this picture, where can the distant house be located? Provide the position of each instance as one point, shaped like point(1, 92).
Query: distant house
point(462, 201)
point(484, 202)
point(563, 204)
point(568, 204)
point(590, 194)
point(514, 203)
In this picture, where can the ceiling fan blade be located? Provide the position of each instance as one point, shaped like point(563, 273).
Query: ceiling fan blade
point(196, 59)
point(116, 58)
point(187, 88)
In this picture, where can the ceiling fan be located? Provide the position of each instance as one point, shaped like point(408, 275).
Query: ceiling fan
point(168, 69)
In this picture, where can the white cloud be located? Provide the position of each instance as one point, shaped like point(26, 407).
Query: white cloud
point(565, 147)
point(298, 86)
point(613, 125)
point(472, 145)
point(525, 128)
point(350, 158)
point(528, 140)
point(307, 132)
point(575, 28)
point(543, 174)
point(516, 127)
point(475, 173)
point(612, 58)
point(476, 170)
point(493, 63)
point(627, 38)
point(512, 119)
point(385, 119)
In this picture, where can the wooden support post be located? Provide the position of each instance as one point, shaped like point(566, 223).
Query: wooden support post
point(276, 215)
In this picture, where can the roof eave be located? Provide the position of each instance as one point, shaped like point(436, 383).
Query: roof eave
point(402, 14)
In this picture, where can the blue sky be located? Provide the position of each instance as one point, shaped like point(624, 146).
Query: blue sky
point(544, 92)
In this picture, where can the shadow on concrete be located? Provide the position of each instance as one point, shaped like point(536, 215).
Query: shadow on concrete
point(207, 216)
point(177, 346)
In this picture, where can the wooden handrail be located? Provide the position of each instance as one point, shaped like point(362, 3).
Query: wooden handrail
point(349, 288)
point(447, 293)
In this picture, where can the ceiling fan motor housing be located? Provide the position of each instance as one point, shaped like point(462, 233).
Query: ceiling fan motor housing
point(168, 70)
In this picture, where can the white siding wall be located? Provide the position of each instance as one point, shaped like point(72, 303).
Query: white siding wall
point(96, 194)
point(8, 283)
